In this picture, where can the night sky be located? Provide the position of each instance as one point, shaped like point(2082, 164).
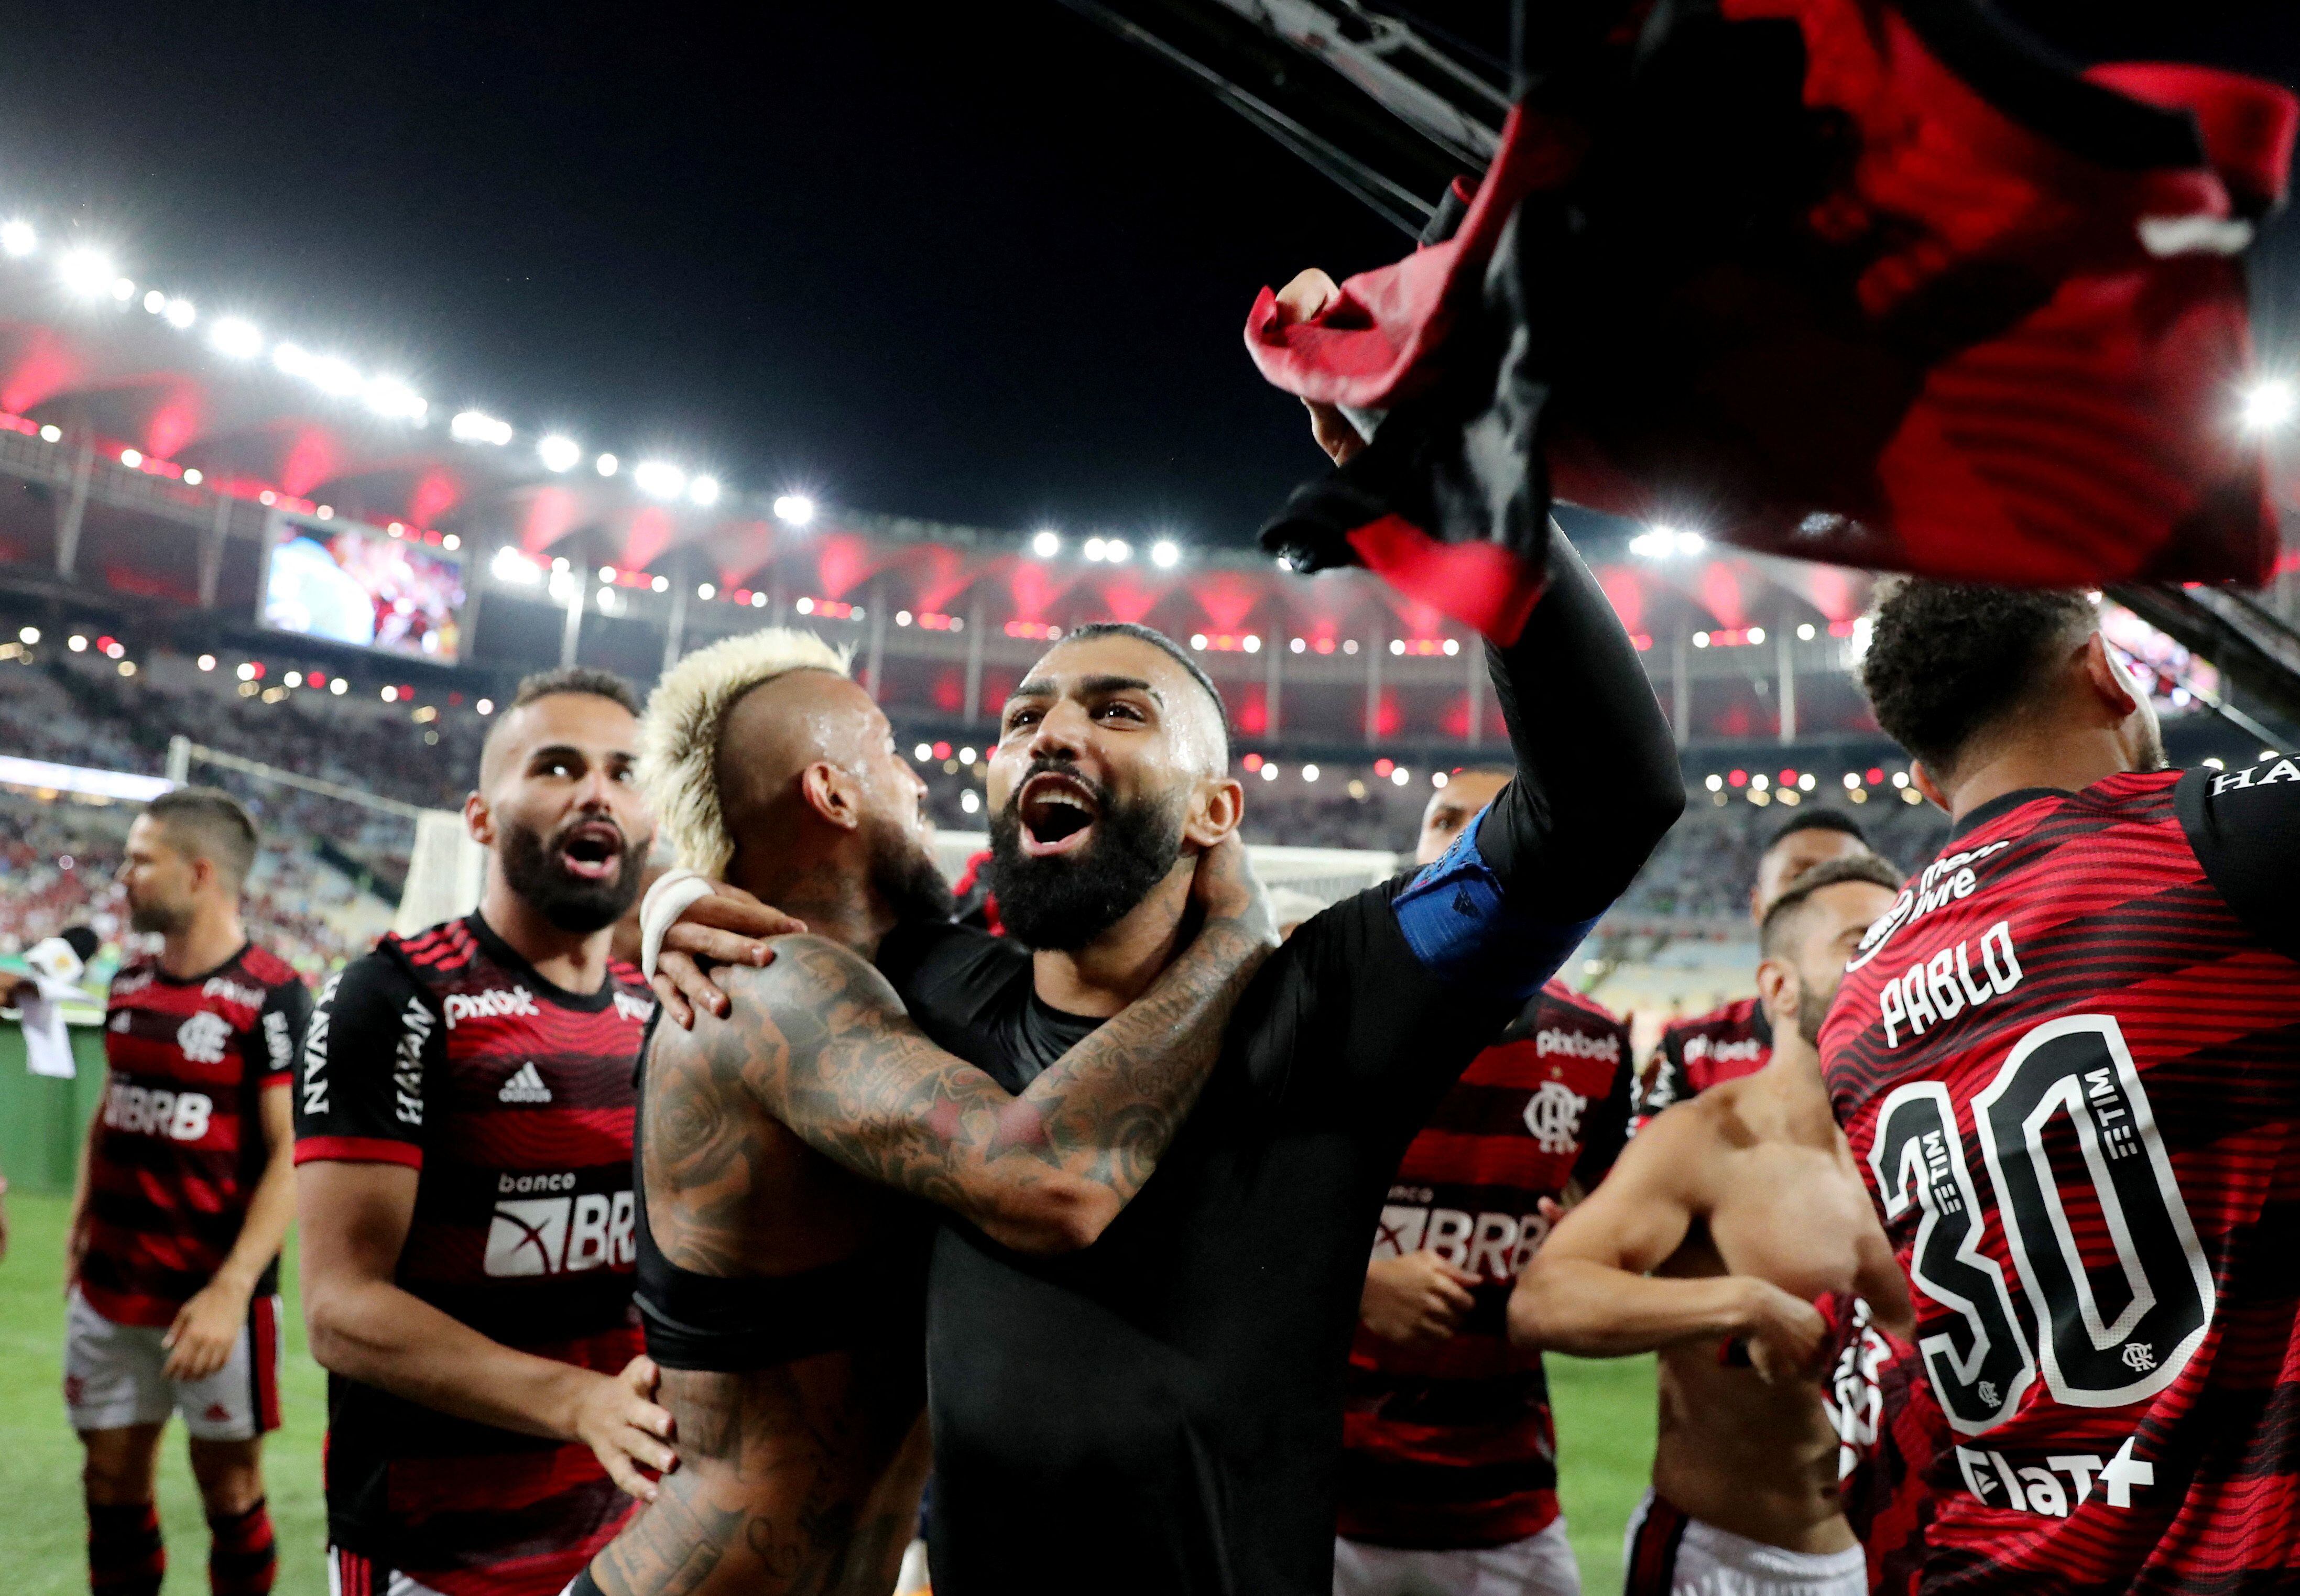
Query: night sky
point(987, 266)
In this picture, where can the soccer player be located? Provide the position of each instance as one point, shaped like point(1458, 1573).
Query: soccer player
point(780, 1291)
point(1722, 1223)
point(1738, 1039)
point(2069, 1064)
point(1449, 1462)
point(182, 1202)
point(1166, 1405)
point(463, 1172)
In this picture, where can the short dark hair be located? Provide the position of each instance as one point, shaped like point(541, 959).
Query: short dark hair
point(211, 823)
point(576, 679)
point(1172, 650)
point(1948, 659)
point(1816, 820)
point(1779, 925)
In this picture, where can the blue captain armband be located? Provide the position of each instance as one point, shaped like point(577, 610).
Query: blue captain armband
point(1465, 930)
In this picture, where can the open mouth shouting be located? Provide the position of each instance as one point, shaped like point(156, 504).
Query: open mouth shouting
point(592, 850)
point(1058, 813)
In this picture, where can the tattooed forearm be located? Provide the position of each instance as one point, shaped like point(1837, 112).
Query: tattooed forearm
point(825, 1044)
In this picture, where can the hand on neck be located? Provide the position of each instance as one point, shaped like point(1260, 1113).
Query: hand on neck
point(214, 934)
point(571, 960)
point(1117, 967)
point(827, 884)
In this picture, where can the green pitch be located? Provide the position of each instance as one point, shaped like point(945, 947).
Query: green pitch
point(1604, 1428)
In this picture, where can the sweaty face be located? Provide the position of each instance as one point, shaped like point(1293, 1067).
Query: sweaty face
point(902, 859)
point(571, 833)
point(1100, 755)
point(1451, 810)
point(1792, 856)
point(1838, 917)
point(159, 879)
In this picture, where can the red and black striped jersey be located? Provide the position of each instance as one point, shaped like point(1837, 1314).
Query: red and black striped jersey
point(2069, 1063)
point(1694, 1054)
point(179, 1146)
point(1452, 1446)
point(448, 1054)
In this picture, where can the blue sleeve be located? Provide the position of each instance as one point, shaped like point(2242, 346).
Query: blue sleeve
point(1468, 931)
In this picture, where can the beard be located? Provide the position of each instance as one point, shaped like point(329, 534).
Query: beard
point(1813, 1000)
point(530, 867)
point(1065, 901)
point(905, 876)
point(165, 919)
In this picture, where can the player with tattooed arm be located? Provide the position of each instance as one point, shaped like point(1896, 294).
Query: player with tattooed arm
point(2069, 1064)
point(783, 1148)
point(1735, 1238)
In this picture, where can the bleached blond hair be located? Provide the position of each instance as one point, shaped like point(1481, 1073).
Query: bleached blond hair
point(686, 719)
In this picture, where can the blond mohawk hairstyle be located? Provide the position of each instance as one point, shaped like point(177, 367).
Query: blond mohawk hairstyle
point(686, 717)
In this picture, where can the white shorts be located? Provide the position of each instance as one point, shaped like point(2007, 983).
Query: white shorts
point(1667, 1553)
point(113, 1376)
point(1541, 1564)
point(351, 1575)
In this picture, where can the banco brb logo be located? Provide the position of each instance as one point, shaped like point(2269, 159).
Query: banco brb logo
point(560, 1236)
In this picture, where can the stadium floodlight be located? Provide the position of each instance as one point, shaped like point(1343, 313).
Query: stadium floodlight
point(659, 478)
point(235, 338)
point(192, 478)
point(704, 491)
point(28, 635)
point(52, 433)
point(393, 399)
point(608, 465)
point(1166, 554)
point(511, 565)
point(795, 509)
point(293, 359)
point(1251, 643)
point(123, 289)
point(476, 426)
point(155, 302)
point(180, 313)
point(1309, 773)
point(1093, 548)
point(1117, 551)
point(333, 375)
point(558, 453)
point(131, 458)
point(85, 272)
point(1045, 544)
point(17, 239)
point(2269, 404)
point(706, 591)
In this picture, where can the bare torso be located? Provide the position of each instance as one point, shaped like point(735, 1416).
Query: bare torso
point(1787, 1206)
point(803, 1476)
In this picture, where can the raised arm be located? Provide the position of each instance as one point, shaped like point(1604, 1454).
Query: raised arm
point(820, 1038)
point(1588, 1292)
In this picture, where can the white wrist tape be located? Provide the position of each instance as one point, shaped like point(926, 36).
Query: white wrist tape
point(674, 892)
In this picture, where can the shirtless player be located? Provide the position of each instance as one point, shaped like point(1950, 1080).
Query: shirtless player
point(781, 1268)
point(1747, 1208)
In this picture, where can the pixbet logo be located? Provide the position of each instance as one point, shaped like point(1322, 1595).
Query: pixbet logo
point(496, 1002)
point(1577, 1044)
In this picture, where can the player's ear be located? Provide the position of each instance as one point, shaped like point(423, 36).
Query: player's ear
point(832, 794)
point(2116, 692)
point(1922, 780)
point(1216, 807)
point(478, 818)
point(1779, 990)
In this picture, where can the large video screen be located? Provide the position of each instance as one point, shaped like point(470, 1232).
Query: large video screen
point(355, 584)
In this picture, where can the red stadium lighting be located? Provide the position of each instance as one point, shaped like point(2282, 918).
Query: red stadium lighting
point(1251, 761)
point(1739, 778)
point(1788, 778)
point(1874, 777)
point(942, 751)
point(1383, 766)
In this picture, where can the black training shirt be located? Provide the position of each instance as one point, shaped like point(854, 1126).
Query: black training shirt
point(1161, 1412)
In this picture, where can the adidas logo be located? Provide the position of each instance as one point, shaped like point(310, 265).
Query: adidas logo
point(525, 1085)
